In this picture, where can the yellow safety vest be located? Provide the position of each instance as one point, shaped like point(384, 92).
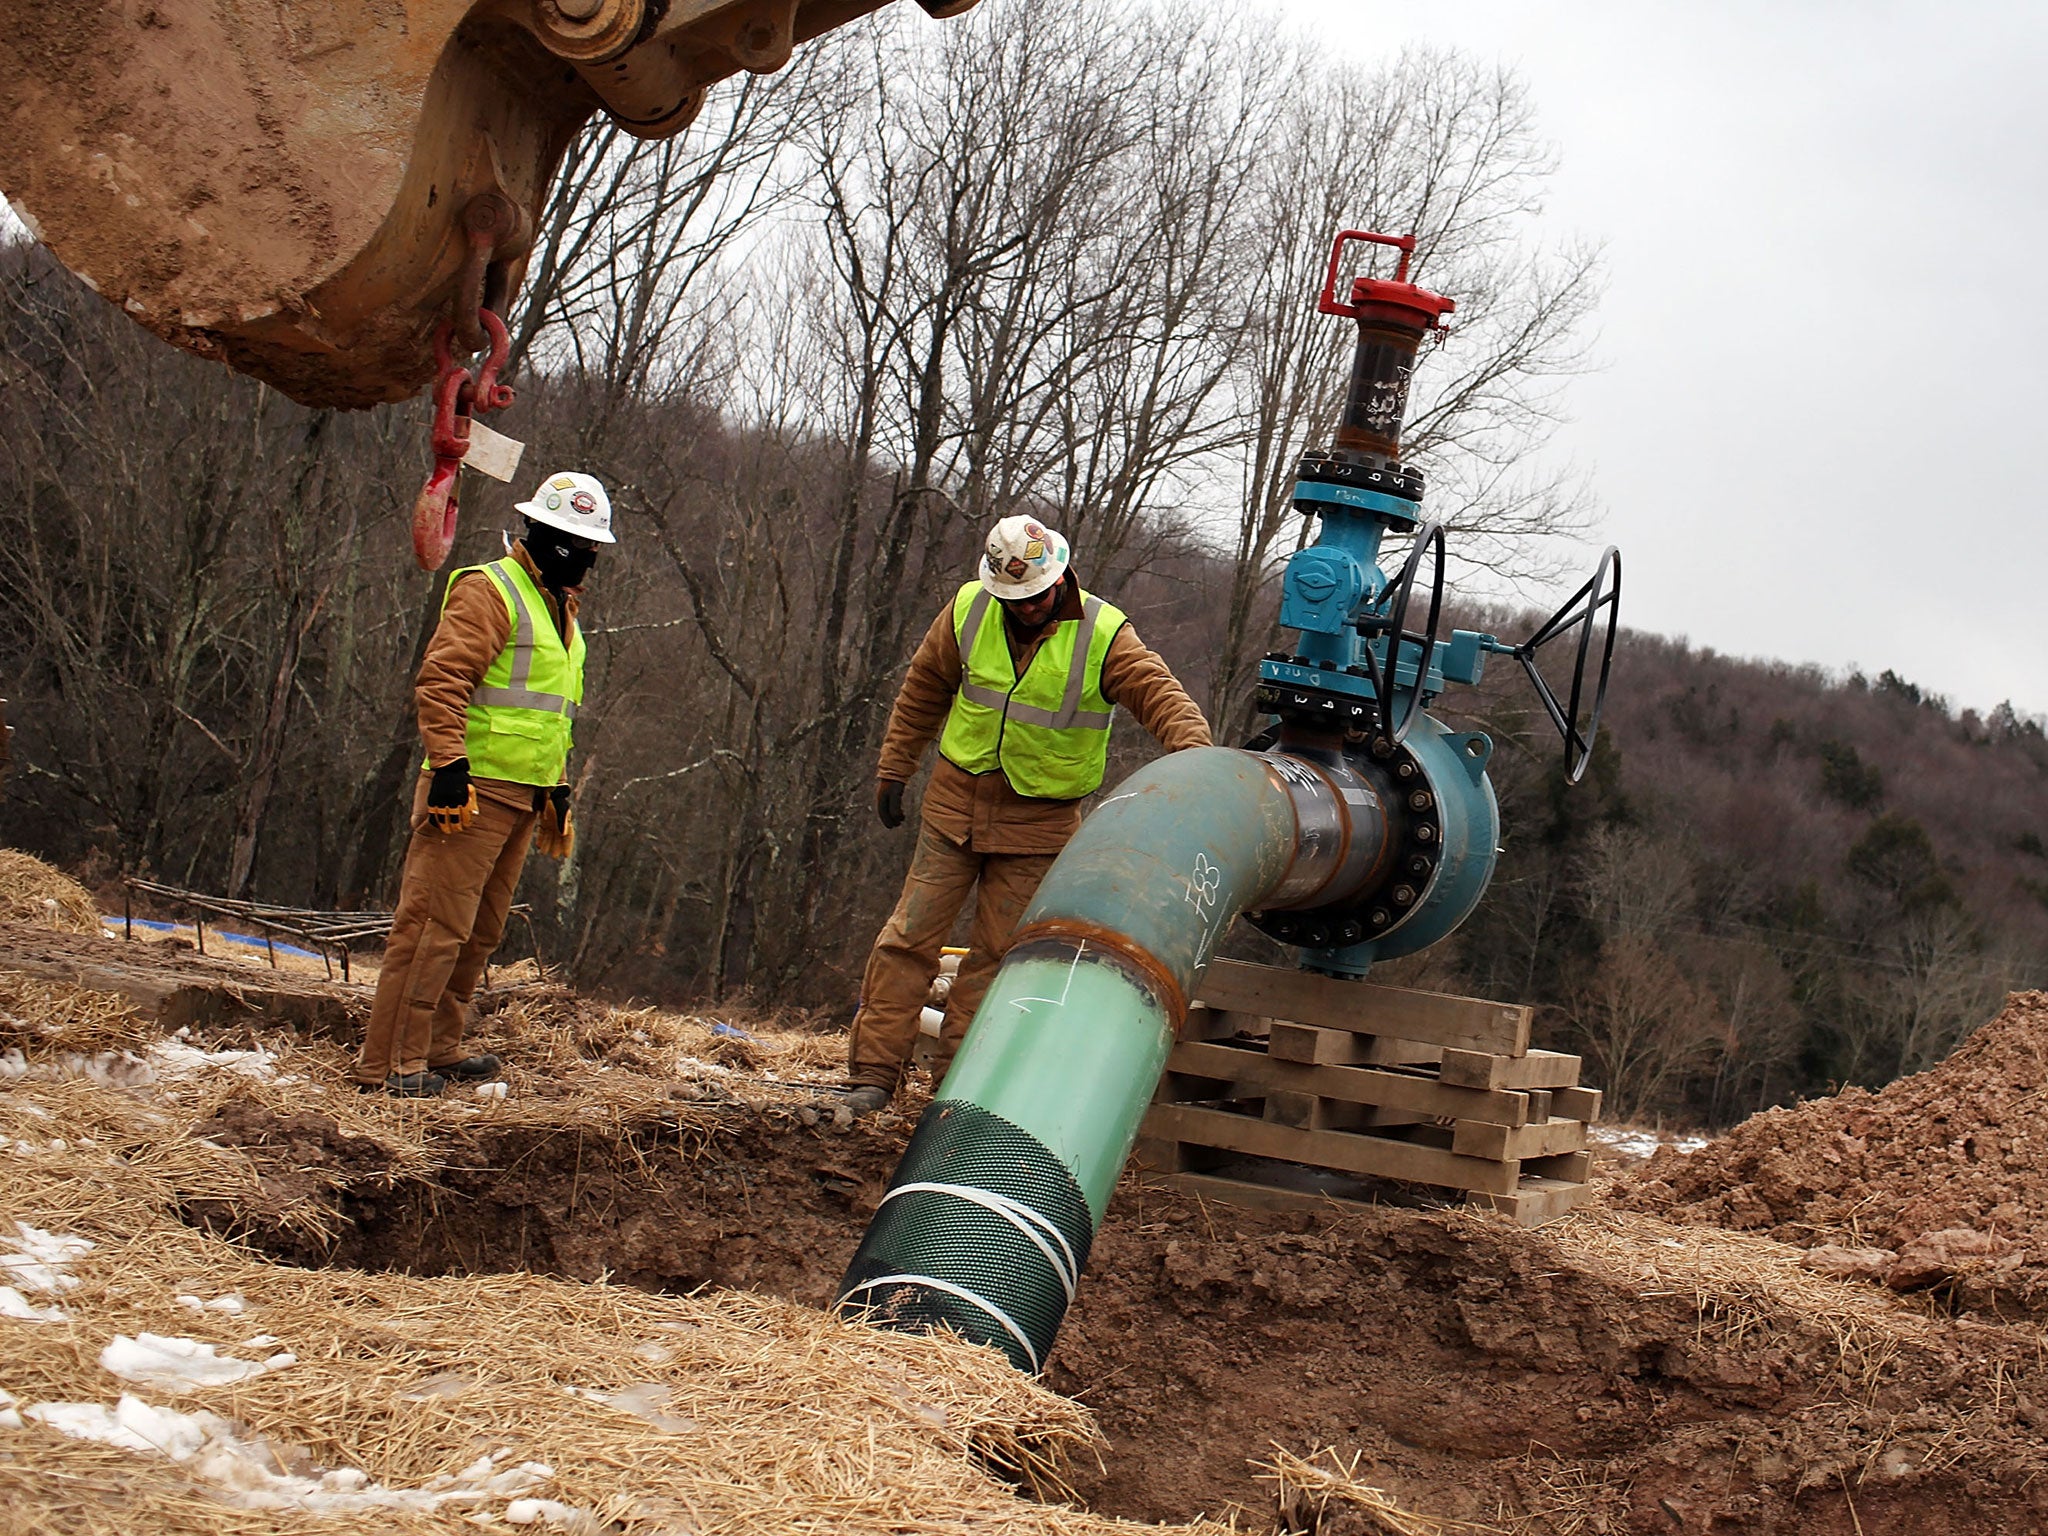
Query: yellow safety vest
point(519, 724)
point(1049, 729)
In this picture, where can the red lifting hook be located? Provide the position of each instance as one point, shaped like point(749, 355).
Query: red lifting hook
point(458, 395)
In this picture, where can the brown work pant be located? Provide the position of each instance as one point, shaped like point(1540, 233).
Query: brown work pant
point(452, 902)
point(906, 955)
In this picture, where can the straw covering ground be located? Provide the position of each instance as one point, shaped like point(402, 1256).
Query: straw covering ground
point(327, 1309)
point(432, 1402)
point(32, 892)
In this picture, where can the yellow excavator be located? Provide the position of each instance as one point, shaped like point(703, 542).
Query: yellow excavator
point(338, 197)
point(306, 189)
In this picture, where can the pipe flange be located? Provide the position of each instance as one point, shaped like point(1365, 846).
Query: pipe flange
point(1365, 471)
point(588, 31)
point(1414, 825)
point(1318, 709)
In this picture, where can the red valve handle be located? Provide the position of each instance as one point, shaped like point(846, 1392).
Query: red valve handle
point(1397, 290)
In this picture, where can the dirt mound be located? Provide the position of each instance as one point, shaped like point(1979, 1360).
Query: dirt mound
point(32, 892)
point(1940, 1180)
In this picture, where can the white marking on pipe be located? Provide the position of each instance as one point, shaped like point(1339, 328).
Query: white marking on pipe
point(1010, 1210)
point(963, 1294)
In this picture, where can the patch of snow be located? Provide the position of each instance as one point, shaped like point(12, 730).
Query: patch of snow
point(233, 1304)
point(131, 1424)
point(41, 1261)
point(151, 1359)
point(1628, 1143)
point(177, 1060)
point(493, 1091)
point(548, 1512)
point(647, 1401)
point(1634, 1143)
point(15, 1305)
point(245, 1472)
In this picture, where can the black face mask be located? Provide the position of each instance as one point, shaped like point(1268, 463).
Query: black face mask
point(561, 563)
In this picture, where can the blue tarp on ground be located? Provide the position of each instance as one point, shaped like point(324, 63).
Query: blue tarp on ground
point(221, 933)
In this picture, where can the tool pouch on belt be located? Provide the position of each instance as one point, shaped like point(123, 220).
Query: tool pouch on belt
point(553, 834)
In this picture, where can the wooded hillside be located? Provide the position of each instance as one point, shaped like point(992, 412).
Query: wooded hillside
point(921, 280)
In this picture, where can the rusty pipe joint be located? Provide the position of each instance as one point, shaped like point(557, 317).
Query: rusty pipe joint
point(1340, 828)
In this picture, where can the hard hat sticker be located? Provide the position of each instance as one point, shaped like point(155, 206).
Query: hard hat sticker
point(554, 502)
point(583, 502)
point(562, 483)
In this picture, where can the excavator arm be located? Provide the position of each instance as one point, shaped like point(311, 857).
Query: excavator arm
point(305, 189)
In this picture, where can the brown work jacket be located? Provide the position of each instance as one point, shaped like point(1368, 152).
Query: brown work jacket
point(474, 628)
point(980, 810)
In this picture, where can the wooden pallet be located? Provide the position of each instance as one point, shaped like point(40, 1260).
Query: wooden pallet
point(1364, 1081)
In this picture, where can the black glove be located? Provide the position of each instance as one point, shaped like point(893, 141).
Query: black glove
point(889, 802)
point(451, 784)
point(560, 795)
point(451, 798)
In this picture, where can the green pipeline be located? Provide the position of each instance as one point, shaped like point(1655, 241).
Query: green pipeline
point(1074, 1032)
point(986, 1226)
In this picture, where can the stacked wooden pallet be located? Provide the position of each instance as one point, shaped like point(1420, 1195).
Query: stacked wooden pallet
point(1365, 1081)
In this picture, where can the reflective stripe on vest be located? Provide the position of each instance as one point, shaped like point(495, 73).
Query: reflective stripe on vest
point(1046, 730)
point(518, 724)
point(517, 694)
point(1070, 715)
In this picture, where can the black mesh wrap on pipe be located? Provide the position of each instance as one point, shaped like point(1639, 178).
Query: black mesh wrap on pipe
point(935, 1235)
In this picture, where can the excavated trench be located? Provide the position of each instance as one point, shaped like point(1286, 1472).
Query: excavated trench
point(1482, 1376)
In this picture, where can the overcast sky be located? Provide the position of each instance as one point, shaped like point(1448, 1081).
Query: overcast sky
point(1817, 431)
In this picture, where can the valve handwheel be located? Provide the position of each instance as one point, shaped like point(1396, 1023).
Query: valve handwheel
point(1580, 611)
point(1399, 706)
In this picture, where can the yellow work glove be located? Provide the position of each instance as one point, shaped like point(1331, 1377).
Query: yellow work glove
point(554, 835)
point(451, 798)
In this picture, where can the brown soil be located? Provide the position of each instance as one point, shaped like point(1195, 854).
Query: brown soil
point(1522, 1380)
point(1935, 1183)
point(1612, 1373)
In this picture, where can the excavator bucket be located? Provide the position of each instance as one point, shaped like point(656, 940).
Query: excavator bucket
point(304, 189)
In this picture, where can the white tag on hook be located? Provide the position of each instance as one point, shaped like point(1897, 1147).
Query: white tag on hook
point(493, 453)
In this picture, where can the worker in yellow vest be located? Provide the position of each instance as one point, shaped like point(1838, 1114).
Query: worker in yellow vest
point(496, 695)
point(1017, 679)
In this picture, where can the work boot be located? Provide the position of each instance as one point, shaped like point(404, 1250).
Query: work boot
point(471, 1069)
point(865, 1098)
point(410, 1085)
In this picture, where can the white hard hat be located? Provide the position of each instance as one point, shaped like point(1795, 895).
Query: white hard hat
point(1022, 558)
point(573, 503)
